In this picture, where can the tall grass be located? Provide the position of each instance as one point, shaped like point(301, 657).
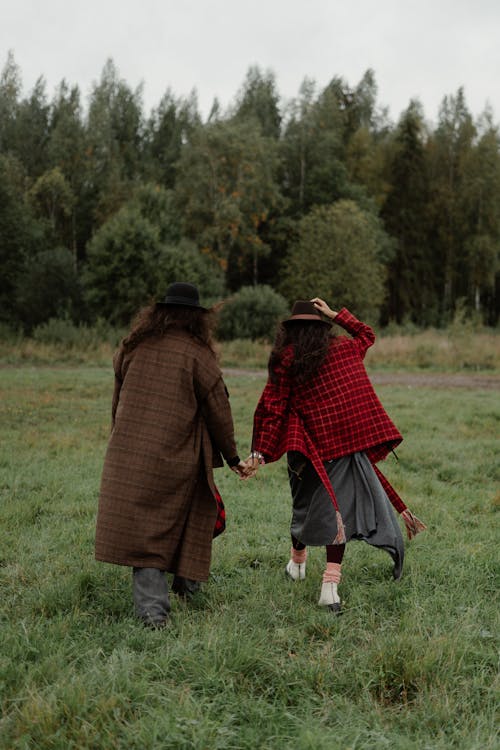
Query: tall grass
point(454, 349)
point(460, 347)
point(60, 341)
point(252, 662)
point(451, 349)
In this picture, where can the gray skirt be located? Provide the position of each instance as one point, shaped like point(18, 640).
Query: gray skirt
point(365, 508)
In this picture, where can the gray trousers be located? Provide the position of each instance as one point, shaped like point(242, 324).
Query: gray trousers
point(150, 590)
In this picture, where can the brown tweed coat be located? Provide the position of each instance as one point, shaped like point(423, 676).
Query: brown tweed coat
point(171, 422)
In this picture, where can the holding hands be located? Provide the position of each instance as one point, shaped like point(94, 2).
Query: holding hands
point(248, 468)
point(243, 470)
point(254, 460)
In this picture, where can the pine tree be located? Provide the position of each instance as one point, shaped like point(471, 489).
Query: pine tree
point(480, 204)
point(412, 292)
point(258, 99)
point(448, 151)
point(169, 126)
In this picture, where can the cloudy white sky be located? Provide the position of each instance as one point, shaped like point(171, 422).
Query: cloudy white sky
point(417, 48)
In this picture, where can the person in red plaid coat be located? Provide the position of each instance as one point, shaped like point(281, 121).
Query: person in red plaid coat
point(319, 407)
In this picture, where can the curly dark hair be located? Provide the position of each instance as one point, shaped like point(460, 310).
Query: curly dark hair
point(157, 320)
point(310, 342)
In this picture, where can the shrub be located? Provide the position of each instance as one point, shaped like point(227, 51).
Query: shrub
point(184, 262)
point(10, 335)
point(121, 273)
point(157, 205)
point(340, 255)
point(57, 331)
point(128, 266)
point(252, 313)
point(63, 333)
point(48, 288)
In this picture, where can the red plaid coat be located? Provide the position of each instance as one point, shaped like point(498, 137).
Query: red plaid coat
point(334, 414)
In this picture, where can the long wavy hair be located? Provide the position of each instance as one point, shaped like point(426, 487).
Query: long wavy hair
point(156, 320)
point(310, 342)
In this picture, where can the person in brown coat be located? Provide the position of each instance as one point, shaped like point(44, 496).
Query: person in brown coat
point(171, 425)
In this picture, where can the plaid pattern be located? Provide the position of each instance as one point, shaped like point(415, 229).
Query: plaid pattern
point(334, 414)
point(171, 423)
point(220, 521)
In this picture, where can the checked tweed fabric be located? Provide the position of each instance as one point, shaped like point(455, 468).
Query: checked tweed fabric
point(158, 502)
point(334, 414)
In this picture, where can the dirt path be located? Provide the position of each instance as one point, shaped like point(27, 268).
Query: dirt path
point(488, 382)
point(410, 379)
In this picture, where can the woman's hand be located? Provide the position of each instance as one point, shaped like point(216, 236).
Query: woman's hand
point(245, 469)
point(252, 463)
point(321, 305)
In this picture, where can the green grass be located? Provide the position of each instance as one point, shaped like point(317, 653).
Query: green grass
point(252, 662)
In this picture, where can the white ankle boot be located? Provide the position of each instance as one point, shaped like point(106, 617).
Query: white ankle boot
point(329, 597)
point(296, 571)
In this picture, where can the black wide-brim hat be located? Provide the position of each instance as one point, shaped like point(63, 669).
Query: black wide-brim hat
point(182, 293)
point(303, 311)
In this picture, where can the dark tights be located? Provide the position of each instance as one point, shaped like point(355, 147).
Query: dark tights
point(334, 552)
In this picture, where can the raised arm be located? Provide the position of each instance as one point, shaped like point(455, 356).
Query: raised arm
point(362, 334)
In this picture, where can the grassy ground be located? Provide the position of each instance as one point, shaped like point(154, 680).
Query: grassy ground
point(252, 662)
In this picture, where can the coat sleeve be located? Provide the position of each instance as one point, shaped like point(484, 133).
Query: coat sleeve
point(216, 411)
point(213, 400)
point(271, 415)
point(363, 335)
point(117, 367)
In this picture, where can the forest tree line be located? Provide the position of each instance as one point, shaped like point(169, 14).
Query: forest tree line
point(102, 205)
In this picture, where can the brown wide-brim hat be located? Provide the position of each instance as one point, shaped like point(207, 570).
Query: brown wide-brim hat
point(303, 311)
point(182, 293)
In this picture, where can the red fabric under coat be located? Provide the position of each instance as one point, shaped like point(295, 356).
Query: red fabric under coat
point(334, 414)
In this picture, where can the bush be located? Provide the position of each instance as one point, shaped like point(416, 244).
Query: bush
point(341, 255)
point(252, 313)
point(62, 332)
point(121, 274)
point(184, 262)
point(157, 205)
point(128, 266)
point(10, 335)
point(48, 288)
point(57, 331)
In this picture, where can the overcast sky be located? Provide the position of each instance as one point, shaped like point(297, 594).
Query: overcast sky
point(418, 48)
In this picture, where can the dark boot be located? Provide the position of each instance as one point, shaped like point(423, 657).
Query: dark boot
point(150, 589)
point(185, 587)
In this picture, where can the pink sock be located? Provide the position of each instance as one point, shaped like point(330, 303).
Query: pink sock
point(332, 573)
point(299, 556)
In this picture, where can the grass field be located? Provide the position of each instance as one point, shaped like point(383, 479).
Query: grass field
point(252, 662)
